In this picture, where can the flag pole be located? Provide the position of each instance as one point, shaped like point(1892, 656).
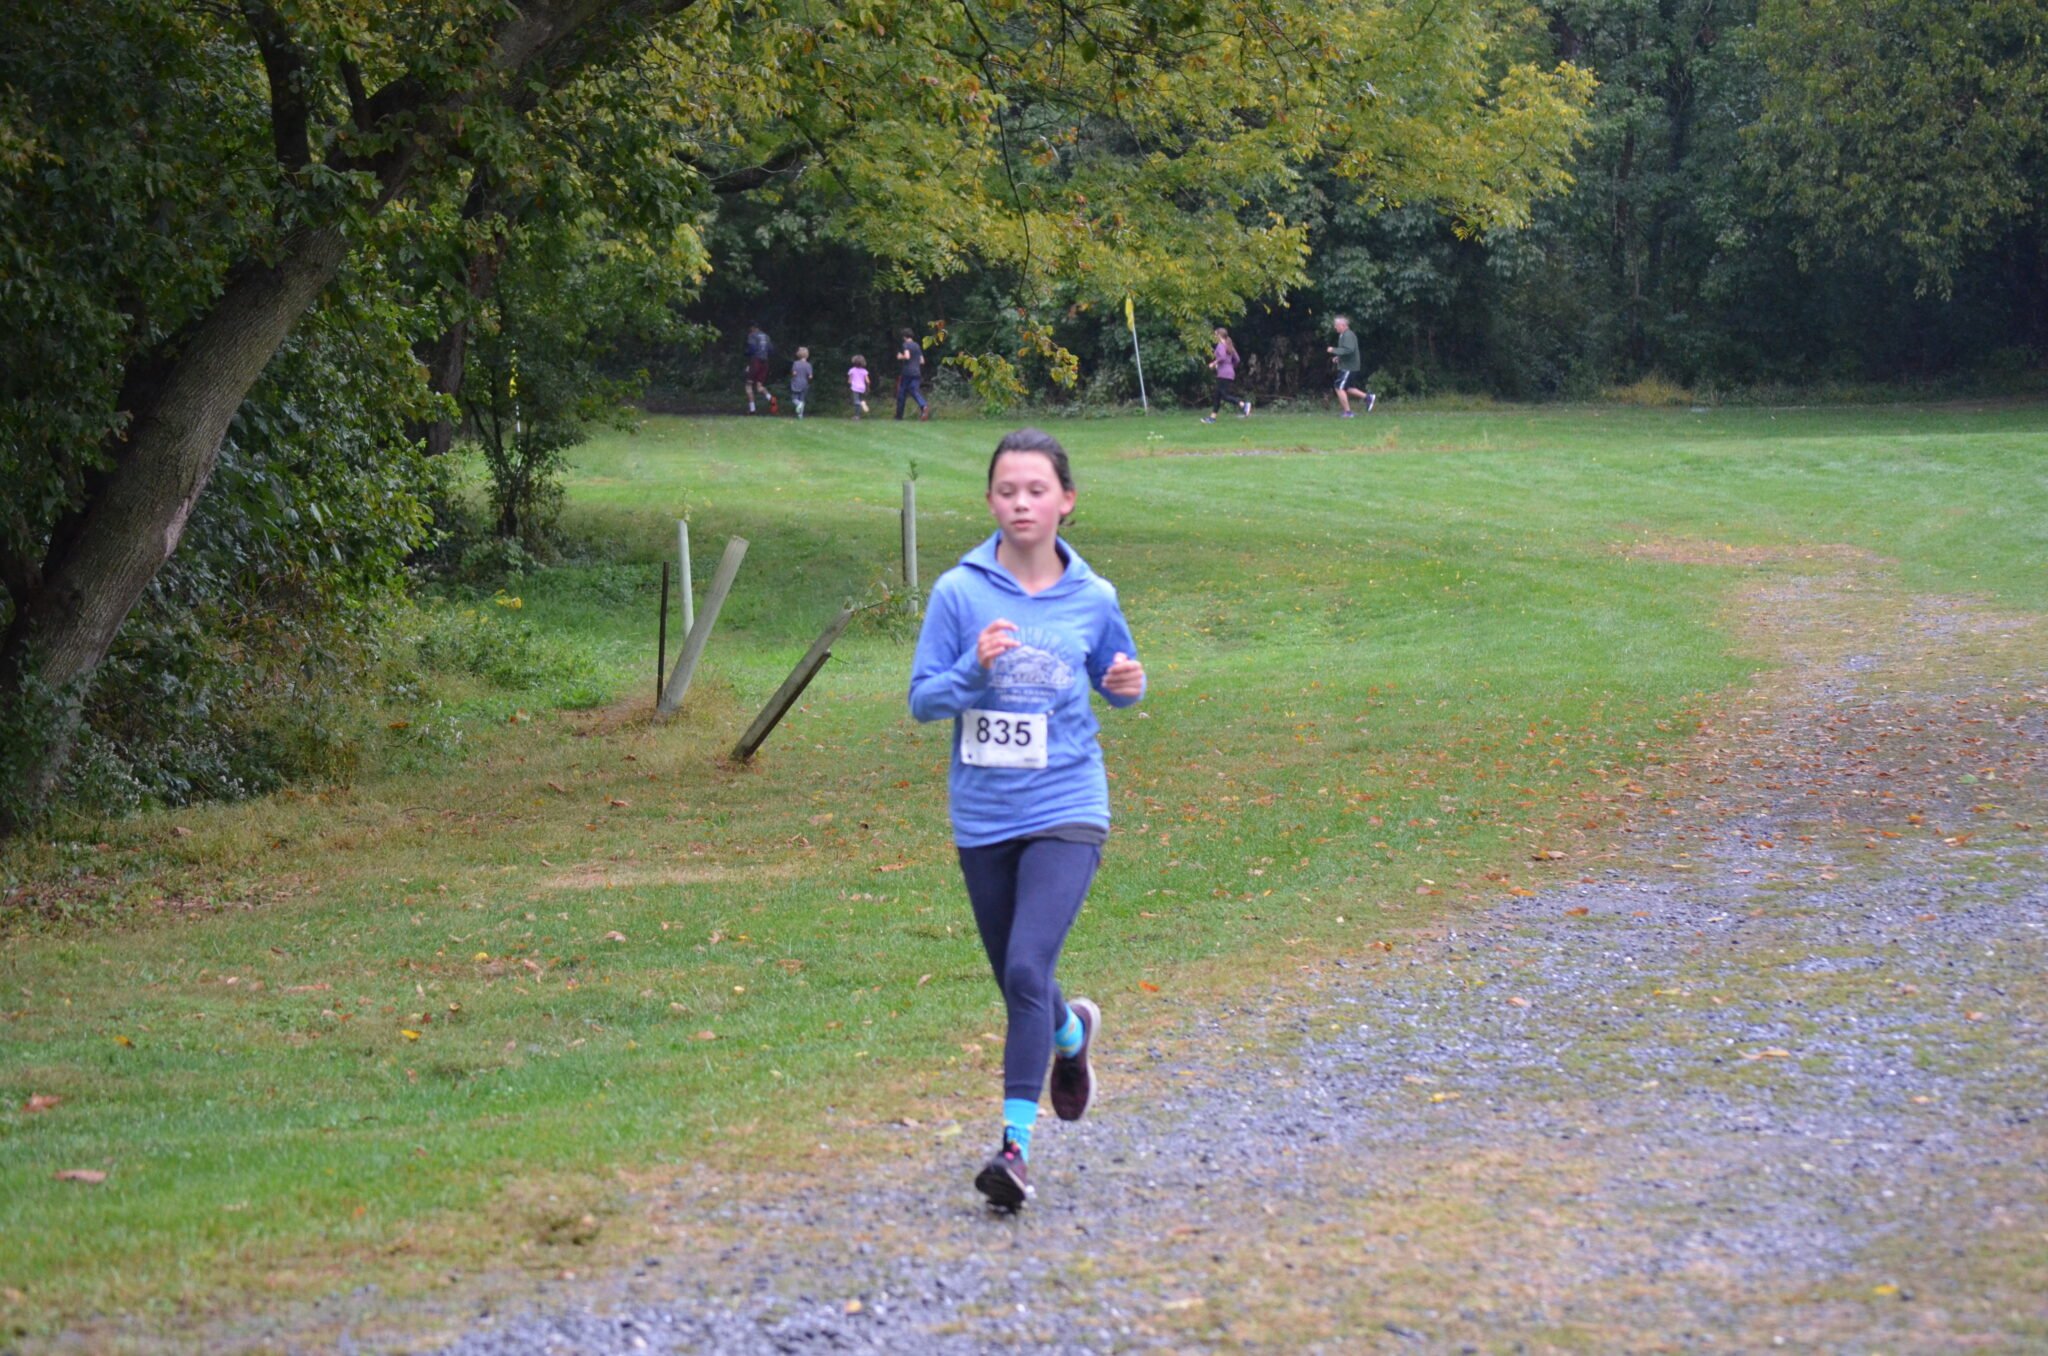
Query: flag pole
point(1131, 319)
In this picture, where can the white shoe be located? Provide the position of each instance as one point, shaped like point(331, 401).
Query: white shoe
point(1371, 399)
point(1246, 406)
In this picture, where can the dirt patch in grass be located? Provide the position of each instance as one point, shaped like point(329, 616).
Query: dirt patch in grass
point(636, 875)
point(1704, 551)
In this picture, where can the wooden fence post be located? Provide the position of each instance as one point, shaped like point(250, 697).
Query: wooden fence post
point(792, 687)
point(689, 595)
point(700, 632)
point(661, 646)
point(910, 542)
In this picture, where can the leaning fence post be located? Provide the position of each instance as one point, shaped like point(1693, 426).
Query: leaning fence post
point(792, 687)
point(910, 541)
point(661, 646)
point(689, 598)
point(693, 647)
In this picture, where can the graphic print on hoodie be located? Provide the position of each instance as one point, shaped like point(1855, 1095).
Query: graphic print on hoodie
point(1069, 630)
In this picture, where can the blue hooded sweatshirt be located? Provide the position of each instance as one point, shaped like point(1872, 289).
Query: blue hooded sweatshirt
point(1071, 629)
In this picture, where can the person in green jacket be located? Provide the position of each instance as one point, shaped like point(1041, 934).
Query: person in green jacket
point(1345, 353)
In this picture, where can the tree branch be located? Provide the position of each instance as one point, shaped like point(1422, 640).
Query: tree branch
point(284, 65)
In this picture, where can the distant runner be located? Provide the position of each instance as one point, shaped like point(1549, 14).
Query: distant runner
point(1345, 352)
point(857, 382)
point(908, 381)
point(800, 375)
point(1224, 362)
point(758, 349)
point(1014, 637)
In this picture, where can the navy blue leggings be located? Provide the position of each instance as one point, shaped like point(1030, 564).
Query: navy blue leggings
point(1026, 893)
point(907, 388)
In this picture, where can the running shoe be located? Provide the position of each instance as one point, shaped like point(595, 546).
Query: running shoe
point(773, 408)
point(924, 415)
point(1004, 1179)
point(1371, 399)
point(1246, 405)
point(1208, 418)
point(1073, 1081)
point(1350, 414)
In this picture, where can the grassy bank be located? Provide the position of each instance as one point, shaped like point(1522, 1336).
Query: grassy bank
point(426, 1022)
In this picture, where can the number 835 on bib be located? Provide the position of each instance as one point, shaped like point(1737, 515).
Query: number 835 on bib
point(1003, 738)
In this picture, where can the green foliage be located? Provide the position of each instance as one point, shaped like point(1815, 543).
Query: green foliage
point(231, 677)
point(1912, 129)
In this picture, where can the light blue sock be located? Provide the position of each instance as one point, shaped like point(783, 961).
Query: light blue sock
point(1067, 1040)
point(1018, 1118)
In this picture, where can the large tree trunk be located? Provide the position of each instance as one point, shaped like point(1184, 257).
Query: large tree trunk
point(181, 396)
point(105, 558)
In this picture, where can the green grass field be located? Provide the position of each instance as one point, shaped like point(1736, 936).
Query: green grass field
point(385, 1031)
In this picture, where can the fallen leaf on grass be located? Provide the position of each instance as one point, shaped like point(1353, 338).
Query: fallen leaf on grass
point(409, 1033)
point(1546, 855)
point(620, 804)
point(1445, 1096)
point(1577, 911)
point(1773, 1053)
point(853, 1306)
point(1518, 1002)
point(1521, 892)
point(124, 1042)
point(89, 1176)
point(322, 987)
point(705, 1036)
point(40, 1101)
point(1976, 1016)
point(923, 980)
point(1179, 1305)
point(1148, 986)
point(615, 936)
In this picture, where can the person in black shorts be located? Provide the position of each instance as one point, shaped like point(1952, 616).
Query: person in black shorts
point(1345, 353)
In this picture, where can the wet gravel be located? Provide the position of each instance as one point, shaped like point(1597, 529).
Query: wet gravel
point(1770, 1077)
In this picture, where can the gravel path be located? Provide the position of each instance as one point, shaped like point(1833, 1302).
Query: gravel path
point(1772, 1076)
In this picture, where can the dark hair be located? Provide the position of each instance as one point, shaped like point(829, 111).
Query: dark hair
point(909, 334)
point(1039, 441)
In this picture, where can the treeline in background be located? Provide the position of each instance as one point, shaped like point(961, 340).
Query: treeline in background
point(1770, 201)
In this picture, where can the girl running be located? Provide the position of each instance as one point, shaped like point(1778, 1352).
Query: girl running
point(1010, 635)
point(1224, 360)
point(857, 382)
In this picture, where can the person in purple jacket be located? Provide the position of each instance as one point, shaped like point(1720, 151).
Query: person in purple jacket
point(1014, 637)
point(1224, 361)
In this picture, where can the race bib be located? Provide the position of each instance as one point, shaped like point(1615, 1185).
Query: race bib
point(1002, 738)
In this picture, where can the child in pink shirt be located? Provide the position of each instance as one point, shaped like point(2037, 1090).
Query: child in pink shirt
point(857, 381)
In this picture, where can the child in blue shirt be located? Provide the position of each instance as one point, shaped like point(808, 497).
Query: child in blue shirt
point(1014, 637)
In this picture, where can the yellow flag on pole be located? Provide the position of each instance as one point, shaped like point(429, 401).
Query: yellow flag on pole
point(1131, 319)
